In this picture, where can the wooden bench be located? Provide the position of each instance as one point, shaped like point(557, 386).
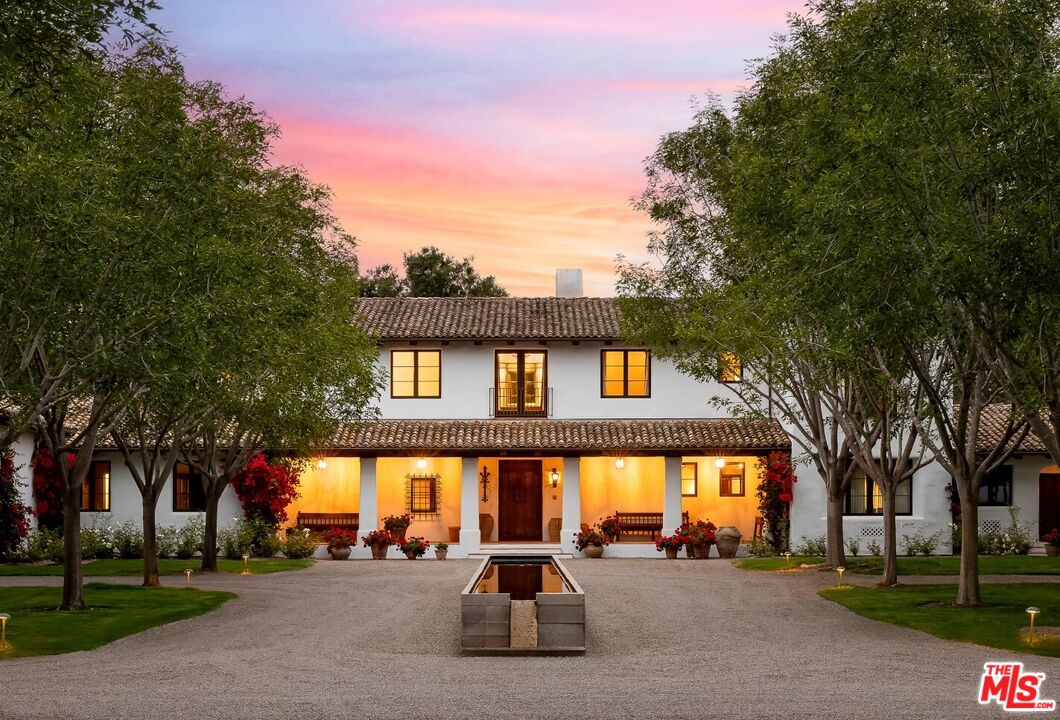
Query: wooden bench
point(650, 523)
point(320, 523)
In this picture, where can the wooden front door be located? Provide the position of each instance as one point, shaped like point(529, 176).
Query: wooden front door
point(1048, 502)
point(519, 500)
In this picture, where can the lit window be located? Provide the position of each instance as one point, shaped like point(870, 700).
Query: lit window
point(625, 373)
point(730, 368)
point(730, 480)
point(689, 479)
point(95, 491)
point(188, 492)
point(416, 373)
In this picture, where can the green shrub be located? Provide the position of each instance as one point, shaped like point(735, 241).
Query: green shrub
point(128, 541)
point(875, 549)
point(167, 538)
point(815, 547)
point(299, 544)
point(189, 537)
point(45, 544)
point(920, 544)
point(264, 537)
point(234, 541)
point(760, 547)
point(97, 541)
point(853, 546)
point(1017, 535)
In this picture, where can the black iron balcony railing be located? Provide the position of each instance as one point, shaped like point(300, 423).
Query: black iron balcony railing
point(530, 399)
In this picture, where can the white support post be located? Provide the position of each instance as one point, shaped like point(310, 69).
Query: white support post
point(672, 495)
point(572, 502)
point(368, 513)
point(470, 537)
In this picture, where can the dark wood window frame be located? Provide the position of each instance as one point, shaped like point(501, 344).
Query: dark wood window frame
point(423, 495)
point(521, 411)
point(725, 481)
point(625, 373)
point(695, 479)
point(195, 498)
point(999, 482)
point(90, 492)
point(870, 491)
point(415, 373)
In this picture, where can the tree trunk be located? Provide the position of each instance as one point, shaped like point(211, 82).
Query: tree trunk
point(890, 538)
point(150, 501)
point(836, 553)
point(209, 539)
point(968, 587)
point(73, 581)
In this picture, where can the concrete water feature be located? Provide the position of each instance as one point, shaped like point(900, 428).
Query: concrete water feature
point(522, 605)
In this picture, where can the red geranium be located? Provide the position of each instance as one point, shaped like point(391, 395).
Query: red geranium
point(378, 537)
point(340, 538)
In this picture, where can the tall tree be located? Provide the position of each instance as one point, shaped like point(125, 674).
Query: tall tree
point(429, 272)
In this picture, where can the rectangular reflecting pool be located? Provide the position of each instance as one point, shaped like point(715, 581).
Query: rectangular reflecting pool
point(522, 605)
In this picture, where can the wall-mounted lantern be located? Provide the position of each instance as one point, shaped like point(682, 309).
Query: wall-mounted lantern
point(554, 477)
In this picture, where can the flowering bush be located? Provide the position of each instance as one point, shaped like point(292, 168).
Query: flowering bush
point(266, 490)
point(775, 493)
point(340, 538)
point(48, 488)
point(701, 532)
point(610, 526)
point(667, 542)
point(415, 545)
point(397, 522)
point(14, 514)
point(378, 537)
point(592, 536)
point(1052, 537)
point(299, 544)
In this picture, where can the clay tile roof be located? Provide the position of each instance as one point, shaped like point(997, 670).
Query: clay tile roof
point(579, 435)
point(543, 318)
point(992, 428)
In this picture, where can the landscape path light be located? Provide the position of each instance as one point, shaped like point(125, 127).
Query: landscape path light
point(1033, 612)
point(787, 559)
point(840, 570)
point(4, 617)
point(246, 564)
point(187, 576)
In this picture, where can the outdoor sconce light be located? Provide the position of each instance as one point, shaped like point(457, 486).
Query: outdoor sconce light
point(187, 575)
point(620, 463)
point(720, 462)
point(322, 464)
point(4, 617)
point(1032, 611)
point(554, 477)
point(246, 564)
point(840, 570)
point(421, 464)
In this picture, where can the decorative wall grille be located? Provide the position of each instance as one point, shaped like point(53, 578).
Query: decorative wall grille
point(990, 526)
point(423, 495)
point(872, 532)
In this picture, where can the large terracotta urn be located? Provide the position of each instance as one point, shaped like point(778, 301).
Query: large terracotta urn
point(594, 551)
point(485, 526)
point(728, 540)
point(340, 553)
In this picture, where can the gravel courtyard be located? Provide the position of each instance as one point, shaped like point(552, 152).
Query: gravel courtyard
point(362, 639)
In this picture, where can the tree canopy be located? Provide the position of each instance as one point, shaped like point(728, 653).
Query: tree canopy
point(429, 272)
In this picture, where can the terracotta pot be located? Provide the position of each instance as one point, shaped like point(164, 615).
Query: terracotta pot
point(701, 550)
point(340, 553)
point(485, 526)
point(671, 553)
point(690, 552)
point(594, 551)
point(440, 554)
point(554, 527)
point(410, 555)
point(399, 535)
point(454, 534)
point(1052, 550)
point(379, 552)
point(728, 541)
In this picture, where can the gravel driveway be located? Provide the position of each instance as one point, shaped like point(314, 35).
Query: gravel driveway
point(363, 639)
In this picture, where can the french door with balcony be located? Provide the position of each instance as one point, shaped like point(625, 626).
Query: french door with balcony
point(521, 388)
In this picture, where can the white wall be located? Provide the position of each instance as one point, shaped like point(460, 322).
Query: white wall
point(573, 375)
point(23, 449)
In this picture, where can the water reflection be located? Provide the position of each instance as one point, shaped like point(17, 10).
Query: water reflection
point(523, 581)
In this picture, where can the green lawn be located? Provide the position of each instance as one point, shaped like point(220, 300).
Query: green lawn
point(37, 628)
point(132, 568)
point(934, 565)
point(929, 608)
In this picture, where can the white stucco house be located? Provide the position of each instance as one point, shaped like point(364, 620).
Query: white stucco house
point(513, 422)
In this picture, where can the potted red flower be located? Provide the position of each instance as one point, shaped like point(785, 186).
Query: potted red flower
point(702, 535)
point(379, 541)
point(591, 542)
point(340, 543)
point(671, 544)
point(414, 547)
point(684, 533)
point(396, 525)
point(1052, 542)
point(610, 527)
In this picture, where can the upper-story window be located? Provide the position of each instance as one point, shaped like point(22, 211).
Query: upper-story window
point(95, 490)
point(730, 368)
point(522, 383)
point(415, 373)
point(625, 373)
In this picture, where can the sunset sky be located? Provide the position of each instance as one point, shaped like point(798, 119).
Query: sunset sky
point(515, 132)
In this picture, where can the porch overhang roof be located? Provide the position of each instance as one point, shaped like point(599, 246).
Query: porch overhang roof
point(720, 436)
